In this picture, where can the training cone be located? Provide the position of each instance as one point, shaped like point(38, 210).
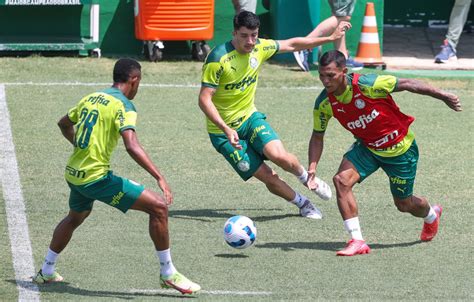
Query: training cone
point(368, 51)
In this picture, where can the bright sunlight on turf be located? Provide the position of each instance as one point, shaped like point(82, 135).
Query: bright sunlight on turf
point(112, 258)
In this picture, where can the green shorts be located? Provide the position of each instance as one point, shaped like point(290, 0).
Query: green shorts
point(119, 192)
point(342, 8)
point(401, 170)
point(254, 134)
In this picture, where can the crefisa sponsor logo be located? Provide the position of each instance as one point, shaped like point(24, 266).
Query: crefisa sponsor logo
point(363, 120)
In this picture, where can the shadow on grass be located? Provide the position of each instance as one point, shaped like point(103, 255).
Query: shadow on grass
point(68, 289)
point(291, 246)
point(231, 256)
point(327, 246)
point(209, 215)
point(377, 246)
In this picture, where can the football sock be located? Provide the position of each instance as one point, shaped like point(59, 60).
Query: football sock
point(166, 265)
point(353, 228)
point(299, 200)
point(431, 216)
point(49, 262)
point(303, 177)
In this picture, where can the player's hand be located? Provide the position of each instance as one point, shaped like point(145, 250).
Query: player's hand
point(341, 29)
point(168, 195)
point(452, 101)
point(233, 138)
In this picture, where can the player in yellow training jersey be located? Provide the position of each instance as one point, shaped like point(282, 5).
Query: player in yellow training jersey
point(94, 127)
point(236, 129)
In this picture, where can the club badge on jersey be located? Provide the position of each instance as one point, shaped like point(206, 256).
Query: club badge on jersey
point(378, 122)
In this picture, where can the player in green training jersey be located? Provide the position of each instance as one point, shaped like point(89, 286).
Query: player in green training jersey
point(94, 127)
point(236, 129)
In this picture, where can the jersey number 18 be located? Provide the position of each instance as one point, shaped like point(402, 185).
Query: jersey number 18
point(85, 127)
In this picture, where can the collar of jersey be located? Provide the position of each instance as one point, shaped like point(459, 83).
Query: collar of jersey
point(346, 96)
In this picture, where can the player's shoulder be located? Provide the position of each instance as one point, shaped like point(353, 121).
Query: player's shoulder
point(322, 100)
point(115, 95)
point(370, 79)
point(267, 45)
point(377, 85)
point(220, 52)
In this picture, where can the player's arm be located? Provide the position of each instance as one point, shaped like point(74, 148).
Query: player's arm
point(300, 43)
point(419, 87)
point(67, 128)
point(136, 151)
point(207, 106)
point(315, 150)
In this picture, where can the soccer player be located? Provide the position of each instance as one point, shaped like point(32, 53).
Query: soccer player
point(236, 129)
point(93, 127)
point(364, 106)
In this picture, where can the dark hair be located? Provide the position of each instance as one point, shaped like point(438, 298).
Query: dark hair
point(123, 69)
point(333, 56)
point(246, 19)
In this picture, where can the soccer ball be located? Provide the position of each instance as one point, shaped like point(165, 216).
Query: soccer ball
point(240, 232)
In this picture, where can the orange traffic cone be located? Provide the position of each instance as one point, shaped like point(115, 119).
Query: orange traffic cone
point(368, 51)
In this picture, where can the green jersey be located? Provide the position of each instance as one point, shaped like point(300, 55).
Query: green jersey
point(100, 117)
point(235, 76)
point(372, 86)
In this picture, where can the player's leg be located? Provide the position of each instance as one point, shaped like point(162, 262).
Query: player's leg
point(80, 208)
point(265, 141)
point(420, 207)
point(356, 165)
point(155, 206)
point(248, 162)
point(280, 188)
point(347, 176)
point(457, 19)
point(276, 152)
point(401, 171)
point(64, 230)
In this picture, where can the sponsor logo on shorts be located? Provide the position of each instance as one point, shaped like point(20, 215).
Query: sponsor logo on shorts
point(116, 199)
point(398, 181)
point(255, 132)
point(401, 190)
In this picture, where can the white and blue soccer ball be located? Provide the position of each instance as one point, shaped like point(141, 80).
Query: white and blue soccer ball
point(240, 232)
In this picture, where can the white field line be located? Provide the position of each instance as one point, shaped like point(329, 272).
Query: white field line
point(146, 85)
point(15, 209)
point(205, 292)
